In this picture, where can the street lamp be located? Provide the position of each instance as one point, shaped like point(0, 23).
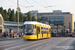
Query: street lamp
point(70, 27)
point(64, 29)
point(36, 15)
point(18, 13)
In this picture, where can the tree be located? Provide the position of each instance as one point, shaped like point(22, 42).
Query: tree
point(33, 18)
point(5, 16)
point(20, 17)
point(29, 16)
point(16, 16)
point(25, 18)
point(38, 19)
point(1, 10)
point(12, 16)
point(9, 12)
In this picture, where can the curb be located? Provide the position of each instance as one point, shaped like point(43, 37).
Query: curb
point(9, 39)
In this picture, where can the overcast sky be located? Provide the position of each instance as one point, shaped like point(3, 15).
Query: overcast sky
point(40, 5)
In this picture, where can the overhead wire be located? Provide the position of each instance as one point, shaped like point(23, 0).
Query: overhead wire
point(45, 2)
point(40, 5)
point(19, 4)
point(28, 7)
point(32, 5)
point(47, 5)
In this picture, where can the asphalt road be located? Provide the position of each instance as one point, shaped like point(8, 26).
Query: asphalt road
point(55, 43)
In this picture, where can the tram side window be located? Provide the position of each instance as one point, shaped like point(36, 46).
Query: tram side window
point(38, 30)
point(34, 29)
point(46, 30)
point(42, 31)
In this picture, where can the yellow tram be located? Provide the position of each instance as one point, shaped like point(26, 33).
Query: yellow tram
point(36, 30)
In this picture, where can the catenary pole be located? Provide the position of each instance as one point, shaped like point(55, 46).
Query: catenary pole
point(18, 13)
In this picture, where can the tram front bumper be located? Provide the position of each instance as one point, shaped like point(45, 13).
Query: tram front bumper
point(29, 37)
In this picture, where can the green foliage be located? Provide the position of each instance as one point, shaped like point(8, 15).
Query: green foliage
point(29, 16)
point(20, 17)
point(25, 18)
point(38, 19)
point(10, 15)
point(9, 12)
point(1, 10)
point(5, 16)
point(33, 18)
point(16, 16)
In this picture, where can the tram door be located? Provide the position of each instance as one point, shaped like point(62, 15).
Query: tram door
point(38, 32)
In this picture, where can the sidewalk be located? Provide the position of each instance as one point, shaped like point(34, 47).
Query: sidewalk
point(3, 39)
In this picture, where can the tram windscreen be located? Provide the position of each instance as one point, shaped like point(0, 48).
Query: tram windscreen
point(28, 29)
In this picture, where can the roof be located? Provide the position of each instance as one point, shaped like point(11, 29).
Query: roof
point(9, 23)
point(49, 13)
point(34, 22)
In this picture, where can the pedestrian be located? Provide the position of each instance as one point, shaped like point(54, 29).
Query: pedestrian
point(7, 34)
point(17, 34)
point(10, 35)
point(13, 35)
point(21, 34)
point(4, 34)
point(69, 34)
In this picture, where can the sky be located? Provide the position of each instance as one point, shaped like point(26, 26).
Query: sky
point(40, 5)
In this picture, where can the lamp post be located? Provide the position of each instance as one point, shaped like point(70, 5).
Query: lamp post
point(57, 28)
point(70, 27)
point(18, 13)
point(36, 15)
point(64, 30)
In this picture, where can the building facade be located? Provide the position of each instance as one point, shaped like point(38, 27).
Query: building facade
point(8, 26)
point(57, 17)
point(60, 18)
point(12, 26)
point(1, 24)
point(33, 13)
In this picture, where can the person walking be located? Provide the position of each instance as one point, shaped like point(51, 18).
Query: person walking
point(4, 34)
point(10, 35)
point(7, 34)
point(13, 35)
point(21, 34)
point(69, 34)
point(17, 34)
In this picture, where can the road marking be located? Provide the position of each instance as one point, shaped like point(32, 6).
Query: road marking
point(23, 45)
point(28, 44)
point(46, 44)
point(11, 44)
point(38, 48)
point(33, 45)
